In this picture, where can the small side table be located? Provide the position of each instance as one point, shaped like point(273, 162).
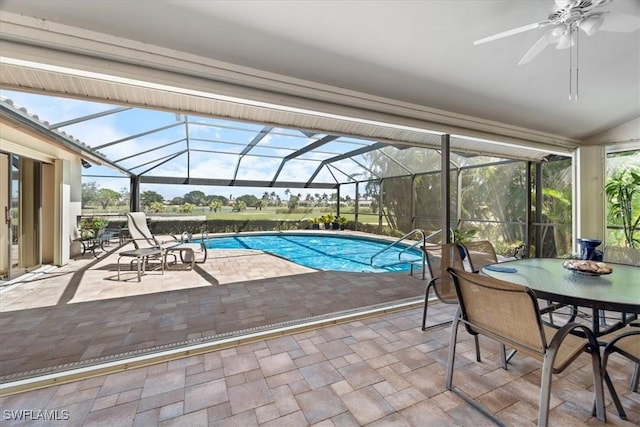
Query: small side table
point(141, 256)
point(187, 253)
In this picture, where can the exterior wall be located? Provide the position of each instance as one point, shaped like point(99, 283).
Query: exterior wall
point(66, 188)
point(48, 231)
point(589, 207)
point(4, 204)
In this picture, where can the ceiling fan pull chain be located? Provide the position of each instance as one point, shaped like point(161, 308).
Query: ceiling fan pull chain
point(577, 58)
point(570, 64)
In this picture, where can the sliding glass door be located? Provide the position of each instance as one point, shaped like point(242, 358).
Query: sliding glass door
point(20, 198)
point(5, 220)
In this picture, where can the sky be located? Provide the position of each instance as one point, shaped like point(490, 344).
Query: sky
point(154, 143)
point(227, 139)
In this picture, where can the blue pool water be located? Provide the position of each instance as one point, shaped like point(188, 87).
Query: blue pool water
point(325, 252)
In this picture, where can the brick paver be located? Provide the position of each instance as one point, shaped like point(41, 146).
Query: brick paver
point(266, 384)
point(80, 313)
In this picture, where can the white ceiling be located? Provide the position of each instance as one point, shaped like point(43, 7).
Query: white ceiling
point(417, 52)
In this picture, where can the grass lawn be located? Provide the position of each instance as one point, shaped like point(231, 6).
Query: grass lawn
point(270, 213)
point(252, 214)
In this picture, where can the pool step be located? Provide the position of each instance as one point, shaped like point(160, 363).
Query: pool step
point(411, 262)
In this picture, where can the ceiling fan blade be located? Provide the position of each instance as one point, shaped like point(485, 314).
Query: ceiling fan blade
point(539, 46)
point(510, 32)
point(620, 22)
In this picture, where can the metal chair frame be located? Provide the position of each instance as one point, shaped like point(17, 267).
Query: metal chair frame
point(441, 280)
point(521, 307)
point(631, 352)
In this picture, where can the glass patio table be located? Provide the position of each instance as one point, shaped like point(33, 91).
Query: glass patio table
point(618, 291)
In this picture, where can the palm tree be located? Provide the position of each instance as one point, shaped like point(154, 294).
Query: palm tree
point(241, 206)
point(620, 189)
point(215, 205)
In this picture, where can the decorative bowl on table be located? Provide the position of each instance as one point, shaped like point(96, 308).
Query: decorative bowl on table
point(586, 267)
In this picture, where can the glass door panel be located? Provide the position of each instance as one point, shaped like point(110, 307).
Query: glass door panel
point(20, 198)
point(5, 230)
point(14, 215)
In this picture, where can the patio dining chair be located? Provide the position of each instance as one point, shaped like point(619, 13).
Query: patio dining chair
point(619, 255)
point(439, 258)
point(480, 253)
point(509, 314)
point(626, 342)
point(622, 255)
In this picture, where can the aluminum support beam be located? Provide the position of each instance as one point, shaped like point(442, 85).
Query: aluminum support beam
point(445, 188)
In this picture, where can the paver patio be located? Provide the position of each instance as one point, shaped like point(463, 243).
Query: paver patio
point(379, 370)
point(80, 313)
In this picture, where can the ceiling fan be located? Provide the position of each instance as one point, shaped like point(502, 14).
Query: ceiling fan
point(563, 24)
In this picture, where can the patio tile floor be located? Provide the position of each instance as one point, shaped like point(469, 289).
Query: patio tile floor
point(380, 370)
point(382, 376)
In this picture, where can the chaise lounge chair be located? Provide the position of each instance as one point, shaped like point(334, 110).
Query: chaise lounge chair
point(143, 238)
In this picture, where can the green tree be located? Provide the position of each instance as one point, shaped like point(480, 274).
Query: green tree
point(557, 238)
point(156, 207)
point(89, 193)
point(249, 200)
point(397, 192)
point(260, 204)
point(148, 197)
point(186, 208)
point(106, 196)
point(177, 201)
point(240, 206)
point(215, 205)
point(293, 203)
point(195, 197)
point(620, 189)
point(485, 194)
point(213, 197)
point(125, 196)
point(496, 192)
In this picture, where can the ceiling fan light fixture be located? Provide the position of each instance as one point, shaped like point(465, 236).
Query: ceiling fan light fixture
point(559, 30)
point(566, 41)
point(561, 4)
point(591, 24)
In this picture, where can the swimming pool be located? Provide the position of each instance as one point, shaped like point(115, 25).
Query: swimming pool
point(336, 253)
